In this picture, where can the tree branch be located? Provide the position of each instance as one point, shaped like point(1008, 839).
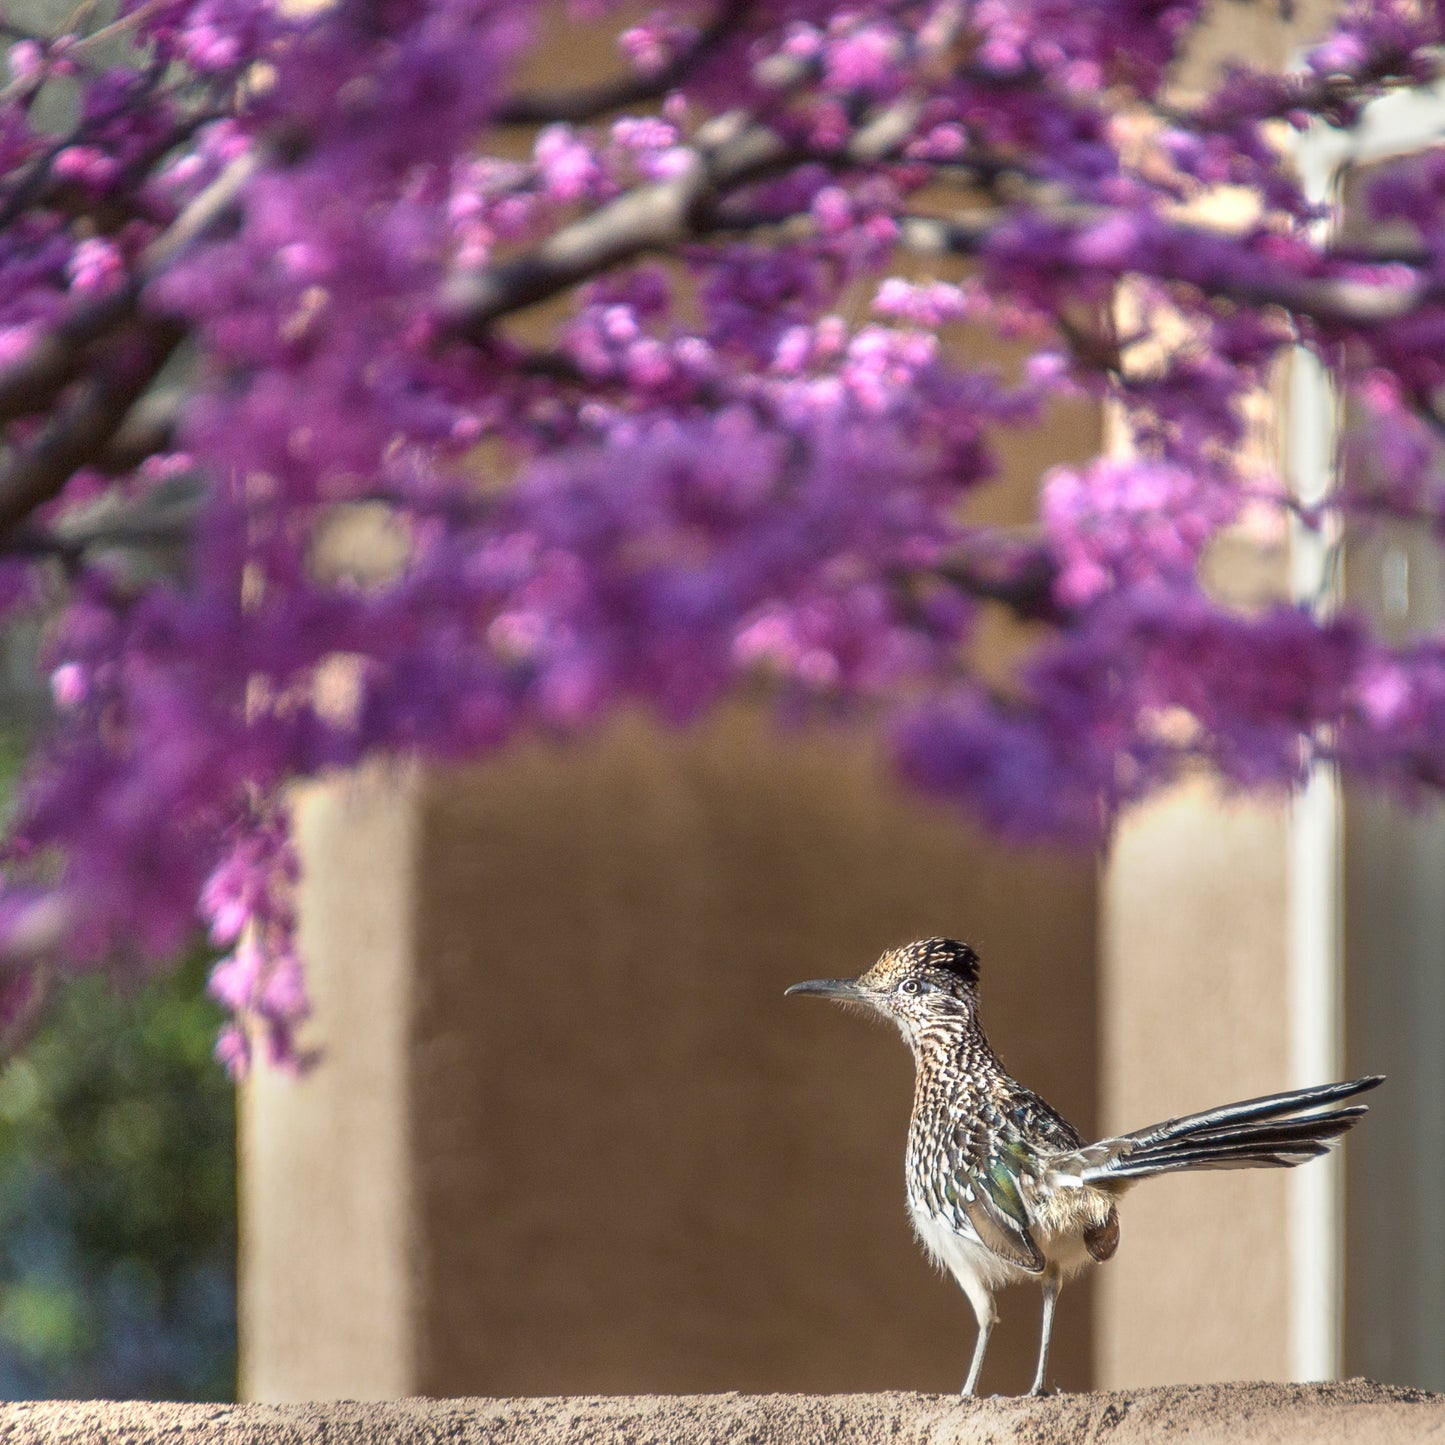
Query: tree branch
point(650, 218)
point(588, 102)
point(35, 379)
point(149, 427)
point(82, 429)
point(1019, 575)
point(731, 150)
point(1330, 301)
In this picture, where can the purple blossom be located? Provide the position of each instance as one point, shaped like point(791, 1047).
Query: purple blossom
point(1117, 525)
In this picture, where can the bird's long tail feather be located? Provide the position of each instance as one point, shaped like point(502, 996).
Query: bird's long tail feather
point(1277, 1131)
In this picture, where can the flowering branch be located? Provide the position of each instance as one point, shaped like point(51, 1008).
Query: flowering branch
point(257, 299)
point(653, 219)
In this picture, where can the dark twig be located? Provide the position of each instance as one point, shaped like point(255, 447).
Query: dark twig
point(1019, 576)
point(35, 379)
point(730, 151)
point(84, 427)
point(661, 216)
point(1425, 408)
point(588, 102)
point(149, 428)
point(30, 181)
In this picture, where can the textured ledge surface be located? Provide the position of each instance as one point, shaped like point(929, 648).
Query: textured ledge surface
point(1270, 1414)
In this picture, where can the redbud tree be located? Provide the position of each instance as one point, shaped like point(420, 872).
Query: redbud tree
point(644, 385)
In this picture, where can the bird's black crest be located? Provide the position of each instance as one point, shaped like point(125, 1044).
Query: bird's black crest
point(947, 954)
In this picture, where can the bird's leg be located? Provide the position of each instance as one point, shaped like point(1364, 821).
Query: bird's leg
point(987, 1317)
point(1052, 1285)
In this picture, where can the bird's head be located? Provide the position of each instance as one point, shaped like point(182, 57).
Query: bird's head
point(930, 982)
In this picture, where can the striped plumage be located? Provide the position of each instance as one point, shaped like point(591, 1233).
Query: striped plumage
point(1002, 1189)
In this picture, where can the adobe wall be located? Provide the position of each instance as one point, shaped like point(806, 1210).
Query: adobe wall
point(569, 1136)
point(1256, 1414)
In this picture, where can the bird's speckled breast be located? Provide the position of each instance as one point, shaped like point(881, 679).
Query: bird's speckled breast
point(980, 1147)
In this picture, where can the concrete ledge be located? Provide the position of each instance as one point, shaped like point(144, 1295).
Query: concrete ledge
point(1267, 1414)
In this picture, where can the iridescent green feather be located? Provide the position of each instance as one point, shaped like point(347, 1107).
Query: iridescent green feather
point(1001, 1181)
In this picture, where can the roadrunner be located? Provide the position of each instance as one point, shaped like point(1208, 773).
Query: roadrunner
point(1001, 1189)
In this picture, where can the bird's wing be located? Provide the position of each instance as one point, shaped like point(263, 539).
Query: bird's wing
point(1038, 1121)
point(987, 1191)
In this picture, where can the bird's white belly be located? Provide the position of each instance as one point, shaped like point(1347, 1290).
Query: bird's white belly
point(958, 1249)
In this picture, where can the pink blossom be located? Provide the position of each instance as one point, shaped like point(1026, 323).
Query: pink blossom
point(569, 168)
point(96, 265)
point(68, 685)
point(26, 59)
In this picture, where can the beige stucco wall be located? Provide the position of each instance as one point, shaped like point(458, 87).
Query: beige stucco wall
point(1195, 956)
point(327, 1299)
point(642, 1166)
point(1194, 1013)
point(626, 1162)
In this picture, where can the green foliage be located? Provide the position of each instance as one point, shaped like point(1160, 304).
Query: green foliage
point(117, 1198)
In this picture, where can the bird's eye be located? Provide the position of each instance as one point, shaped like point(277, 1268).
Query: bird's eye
point(909, 985)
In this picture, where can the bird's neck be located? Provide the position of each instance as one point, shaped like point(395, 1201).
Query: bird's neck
point(951, 1055)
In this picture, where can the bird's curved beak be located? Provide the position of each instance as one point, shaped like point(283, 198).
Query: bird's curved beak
point(828, 987)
